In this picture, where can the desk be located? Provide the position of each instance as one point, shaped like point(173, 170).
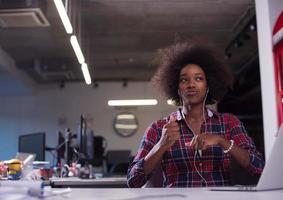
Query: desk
point(158, 194)
point(167, 194)
point(104, 182)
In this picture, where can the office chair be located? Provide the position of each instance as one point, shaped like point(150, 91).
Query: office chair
point(118, 161)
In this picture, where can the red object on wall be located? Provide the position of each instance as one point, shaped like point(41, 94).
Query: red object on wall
point(277, 39)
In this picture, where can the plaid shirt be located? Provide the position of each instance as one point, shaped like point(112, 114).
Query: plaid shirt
point(181, 167)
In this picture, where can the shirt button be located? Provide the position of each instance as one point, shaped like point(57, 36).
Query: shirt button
point(200, 164)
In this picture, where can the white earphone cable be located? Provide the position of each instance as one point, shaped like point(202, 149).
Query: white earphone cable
point(205, 129)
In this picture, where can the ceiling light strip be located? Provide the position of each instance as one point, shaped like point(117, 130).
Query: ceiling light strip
point(77, 49)
point(63, 15)
point(86, 73)
point(133, 102)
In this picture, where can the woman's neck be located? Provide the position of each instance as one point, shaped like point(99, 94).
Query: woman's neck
point(193, 113)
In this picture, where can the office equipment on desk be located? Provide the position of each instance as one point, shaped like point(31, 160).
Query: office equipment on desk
point(103, 182)
point(60, 148)
point(33, 143)
point(68, 154)
point(271, 177)
point(72, 146)
point(84, 143)
point(81, 135)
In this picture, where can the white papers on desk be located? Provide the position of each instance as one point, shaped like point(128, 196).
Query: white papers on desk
point(33, 188)
point(20, 189)
point(14, 190)
point(22, 193)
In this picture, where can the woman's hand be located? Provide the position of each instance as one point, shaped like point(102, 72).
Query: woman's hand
point(170, 133)
point(203, 141)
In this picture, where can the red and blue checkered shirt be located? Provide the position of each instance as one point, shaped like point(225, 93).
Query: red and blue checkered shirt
point(181, 167)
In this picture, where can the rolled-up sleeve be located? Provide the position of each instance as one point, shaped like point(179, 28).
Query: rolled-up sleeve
point(136, 176)
point(241, 138)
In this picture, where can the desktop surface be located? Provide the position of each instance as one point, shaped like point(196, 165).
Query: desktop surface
point(171, 194)
point(146, 193)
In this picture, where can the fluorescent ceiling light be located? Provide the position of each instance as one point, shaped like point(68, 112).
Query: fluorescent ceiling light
point(133, 102)
point(77, 49)
point(63, 15)
point(86, 74)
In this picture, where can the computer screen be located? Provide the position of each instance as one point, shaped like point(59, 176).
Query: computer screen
point(95, 149)
point(81, 135)
point(33, 143)
point(90, 147)
point(60, 147)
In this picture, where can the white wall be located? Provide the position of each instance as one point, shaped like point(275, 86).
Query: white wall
point(267, 13)
point(51, 110)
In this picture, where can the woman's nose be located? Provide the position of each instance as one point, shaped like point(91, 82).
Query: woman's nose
point(191, 84)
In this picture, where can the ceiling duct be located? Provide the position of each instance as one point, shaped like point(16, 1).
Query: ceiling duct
point(16, 18)
point(20, 13)
point(54, 70)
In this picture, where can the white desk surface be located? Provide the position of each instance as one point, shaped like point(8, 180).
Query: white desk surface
point(151, 194)
point(166, 194)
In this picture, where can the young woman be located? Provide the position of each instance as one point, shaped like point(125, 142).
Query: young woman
point(194, 145)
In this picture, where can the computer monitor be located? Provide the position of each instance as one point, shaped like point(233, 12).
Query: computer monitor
point(82, 138)
point(96, 146)
point(60, 148)
point(33, 143)
point(81, 135)
point(91, 148)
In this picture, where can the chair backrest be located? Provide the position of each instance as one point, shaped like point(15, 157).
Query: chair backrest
point(118, 161)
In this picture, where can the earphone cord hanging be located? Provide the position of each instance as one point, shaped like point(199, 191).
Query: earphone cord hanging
point(195, 155)
point(204, 118)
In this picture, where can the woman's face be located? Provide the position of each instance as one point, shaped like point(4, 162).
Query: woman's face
point(192, 85)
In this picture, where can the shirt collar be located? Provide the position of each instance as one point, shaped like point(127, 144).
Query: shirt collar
point(210, 114)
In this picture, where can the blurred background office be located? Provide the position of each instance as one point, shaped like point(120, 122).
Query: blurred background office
point(52, 71)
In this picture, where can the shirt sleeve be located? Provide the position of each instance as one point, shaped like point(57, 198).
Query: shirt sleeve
point(241, 139)
point(136, 177)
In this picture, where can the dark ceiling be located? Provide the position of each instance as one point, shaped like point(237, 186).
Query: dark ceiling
point(120, 38)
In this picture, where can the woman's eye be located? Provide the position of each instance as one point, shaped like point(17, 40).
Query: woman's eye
point(183, 80)
point(199, 78)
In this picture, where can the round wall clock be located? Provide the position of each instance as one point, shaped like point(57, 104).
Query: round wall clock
point(125, 124)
